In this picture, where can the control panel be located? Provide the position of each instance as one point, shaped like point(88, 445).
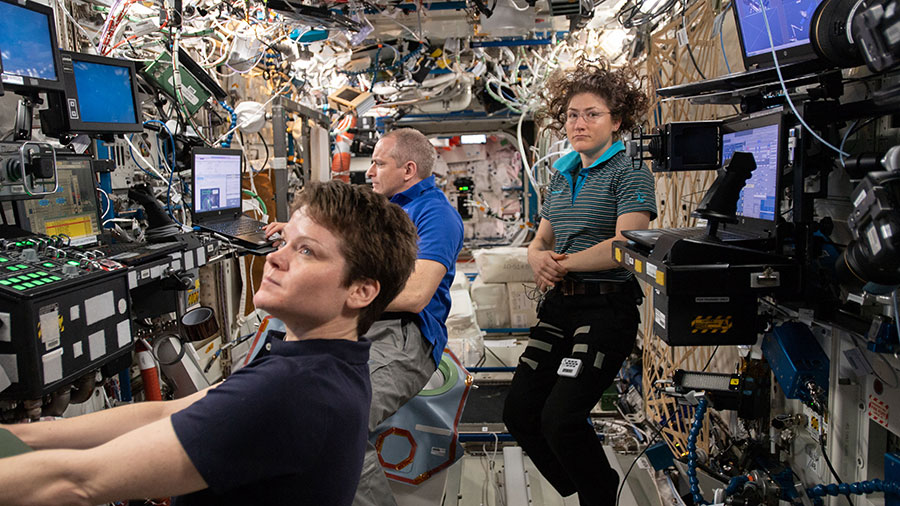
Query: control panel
point(33, 266)
point(62, 314)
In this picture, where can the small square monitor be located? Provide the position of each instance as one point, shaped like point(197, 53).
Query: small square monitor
point(29, 47)
point(789, 23)
point(74, 210)
point(101, 94)
point(761, 135)
point(216, 182)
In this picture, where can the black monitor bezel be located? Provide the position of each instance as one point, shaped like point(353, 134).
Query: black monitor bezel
point(31, 84)
point(19, 205)
point(802, 52)
point(77, 125)
point(768, 117)
point(199, 216)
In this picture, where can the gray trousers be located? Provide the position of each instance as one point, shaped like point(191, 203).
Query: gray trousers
point(400, 365)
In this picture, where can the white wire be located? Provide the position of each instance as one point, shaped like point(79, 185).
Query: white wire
point(499, 497)
point(787, 96)
point(62, 6)
point(844, 140)
point(408, 29)
point(534, 185)
point(108, 200)
point(541, 159)
point(516, 6)
point(138, 154)
point(248, 119)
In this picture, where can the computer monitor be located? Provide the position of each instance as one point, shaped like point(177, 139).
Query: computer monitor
point(789, 22)
point(761, 135)
point(101, 94)
point(217, 181)
point(74, 209)
point(29, 47)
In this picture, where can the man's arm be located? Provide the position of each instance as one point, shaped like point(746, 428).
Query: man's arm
point(543, 261)
point(146, 462)
point(420, 287)
point(94, 429)
point(599, 256)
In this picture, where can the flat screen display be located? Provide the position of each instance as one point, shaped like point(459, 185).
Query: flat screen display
point(218, 182)
point(789, 22)
point(104, 93)
point(758, 197)
point(26, 43)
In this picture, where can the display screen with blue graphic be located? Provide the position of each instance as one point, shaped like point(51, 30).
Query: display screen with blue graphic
point(789, 21)
point(758, 197)
point(218, 182)
point(105, 94)
point(26, 43)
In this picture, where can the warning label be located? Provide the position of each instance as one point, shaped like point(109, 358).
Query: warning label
point(878, 411)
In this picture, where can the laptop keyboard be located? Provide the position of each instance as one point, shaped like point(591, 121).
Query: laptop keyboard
point(238, 227)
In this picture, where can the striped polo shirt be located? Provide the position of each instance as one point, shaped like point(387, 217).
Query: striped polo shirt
point(583, 204)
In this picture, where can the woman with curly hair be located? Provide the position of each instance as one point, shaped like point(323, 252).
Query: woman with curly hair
point(589, 309)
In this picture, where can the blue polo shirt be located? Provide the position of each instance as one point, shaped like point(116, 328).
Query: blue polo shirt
point(584, 204)
point(440, 231)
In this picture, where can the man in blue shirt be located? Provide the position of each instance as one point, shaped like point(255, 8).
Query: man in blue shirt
point(408, 341)
point(289, 428)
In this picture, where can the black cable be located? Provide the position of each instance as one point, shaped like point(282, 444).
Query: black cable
point(622, 485)
point(687, 42)
point(266, 147)
point(649, 444)
point(691, 54)
point(860, 126)
point(831, 467)
point(487, 348)
point(710, 359)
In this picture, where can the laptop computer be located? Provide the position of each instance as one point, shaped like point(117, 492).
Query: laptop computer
point(75, 211)
point(216, 191)
point(790, 25)
point(758, 205)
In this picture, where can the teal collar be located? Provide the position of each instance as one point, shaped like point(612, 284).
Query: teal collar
point(570, 161)
point(569, 164)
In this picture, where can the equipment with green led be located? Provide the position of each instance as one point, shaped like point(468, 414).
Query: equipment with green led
point(464, 189)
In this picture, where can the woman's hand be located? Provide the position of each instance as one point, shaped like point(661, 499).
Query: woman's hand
point(273, 228)
point(546, 267)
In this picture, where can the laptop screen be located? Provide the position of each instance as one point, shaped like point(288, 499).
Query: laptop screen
point(758, 197)
point(789, 22)
point(73, 210)
point(217, 180)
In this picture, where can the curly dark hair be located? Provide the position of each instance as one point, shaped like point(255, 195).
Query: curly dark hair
point(619, 88)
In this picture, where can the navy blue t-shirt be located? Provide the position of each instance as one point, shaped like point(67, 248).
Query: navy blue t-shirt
point(289, 428)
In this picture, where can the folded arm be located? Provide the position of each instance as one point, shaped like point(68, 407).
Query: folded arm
point(599, 256)
point(420, 287)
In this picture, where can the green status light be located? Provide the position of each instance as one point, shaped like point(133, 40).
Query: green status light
point(73, 262)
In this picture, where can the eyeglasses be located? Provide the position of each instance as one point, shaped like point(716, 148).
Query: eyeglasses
point(589, 117)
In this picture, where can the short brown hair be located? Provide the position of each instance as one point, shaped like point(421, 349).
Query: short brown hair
point(378, 240)
point(412, 145)
point(618, 88)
